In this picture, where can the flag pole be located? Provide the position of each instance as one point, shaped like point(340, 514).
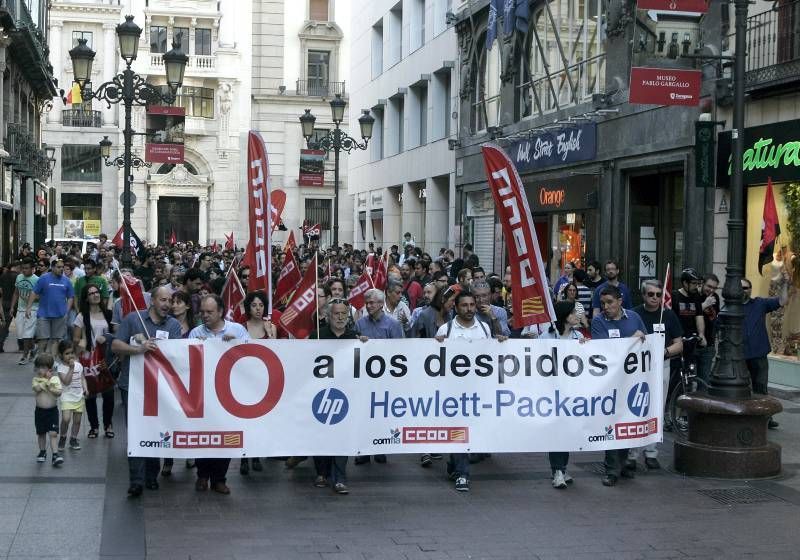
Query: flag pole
point(130, 297)
point(316, 287)
point(664, 295)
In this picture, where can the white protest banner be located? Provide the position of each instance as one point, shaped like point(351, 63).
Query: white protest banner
point(261, 398)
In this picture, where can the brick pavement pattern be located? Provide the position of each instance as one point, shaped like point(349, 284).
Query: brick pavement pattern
point(394, 511)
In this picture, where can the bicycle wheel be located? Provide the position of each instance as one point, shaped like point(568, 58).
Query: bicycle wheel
point(678, 416)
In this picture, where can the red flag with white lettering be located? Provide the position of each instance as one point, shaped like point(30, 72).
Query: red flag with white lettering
point(529, 293)
point(132, 295)
point(298, 318)
point(233, 296)
point(289, 278)
point(378, 269)
point(356, 297)
point(290, 242)
point(259, 255)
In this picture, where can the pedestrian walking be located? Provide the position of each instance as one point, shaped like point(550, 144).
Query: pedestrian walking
point(47, 389)
point(55, 294)
point(73, 396)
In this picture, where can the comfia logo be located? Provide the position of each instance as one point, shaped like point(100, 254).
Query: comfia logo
point(163, 441)
point(393, 439)
point(329, 406)
point(639, 399)
point(607, 436)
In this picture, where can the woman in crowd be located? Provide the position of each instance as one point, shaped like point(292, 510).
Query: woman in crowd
point(92, 328)
point(570, 293)
point(182, 311)
point(566, 328)
point(258, 327)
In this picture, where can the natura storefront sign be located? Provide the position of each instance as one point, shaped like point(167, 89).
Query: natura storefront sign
point(771, 150)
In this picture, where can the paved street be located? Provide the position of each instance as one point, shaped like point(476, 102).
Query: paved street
point(394, 511)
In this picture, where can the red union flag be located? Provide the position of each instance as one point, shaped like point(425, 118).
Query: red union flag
point(529, 292)
point(289, 278)
point(233, 296)
point(312, 230)
point(665, 86)
point(356, 297)
point(258, 255)
point(696, 6)
point(298, 319)
point(132, 295)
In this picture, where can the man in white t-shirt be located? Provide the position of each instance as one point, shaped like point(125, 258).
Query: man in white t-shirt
point(467, 326)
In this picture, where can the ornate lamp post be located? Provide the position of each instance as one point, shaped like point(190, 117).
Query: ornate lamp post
point(129, 89)
point(728, 425)
point(337, 140)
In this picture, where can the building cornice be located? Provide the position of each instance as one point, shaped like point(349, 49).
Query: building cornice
point(68, 9)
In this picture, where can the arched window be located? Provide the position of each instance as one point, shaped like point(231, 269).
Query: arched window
point(486, 101)
point(564, 62)
point(167, 167)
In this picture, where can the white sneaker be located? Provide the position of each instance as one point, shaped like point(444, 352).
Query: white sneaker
point(567, 478)
point(558, 480)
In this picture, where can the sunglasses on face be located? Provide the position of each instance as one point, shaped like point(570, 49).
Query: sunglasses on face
point(653, 294)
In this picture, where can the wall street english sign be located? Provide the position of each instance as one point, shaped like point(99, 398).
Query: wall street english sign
point(556, 147)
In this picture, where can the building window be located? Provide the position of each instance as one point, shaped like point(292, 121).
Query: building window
point(202, 41)
point(198, 101)
point(318, 10)
point(318, 72)
point(318, 211)
point(81, 162)
point(377, 49)
point(377, 134)
point(565, 61)
point(181, 35)
point(81, 206)
point(82, 35)
point(486, 106)
point(158, 39)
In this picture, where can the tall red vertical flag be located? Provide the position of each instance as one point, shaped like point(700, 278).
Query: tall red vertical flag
point(173, 239)
point(229, 243)
point(298, 318)
point(290, 242)
point(770, 228)
point(259, 252)
point(289, 277)
point(529, 292)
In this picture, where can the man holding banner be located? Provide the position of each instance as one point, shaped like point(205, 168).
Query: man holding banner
point(215, 326)
point(137, 334)
point(616, 322)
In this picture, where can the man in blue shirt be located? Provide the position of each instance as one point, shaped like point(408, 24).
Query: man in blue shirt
point(616, 322)
point(215, 326)
point(55, 294)
point(376, 324)
point(612, 279)
point(137, 334)
point(756, 341)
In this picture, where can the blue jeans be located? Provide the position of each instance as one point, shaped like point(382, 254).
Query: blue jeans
point(459, 464)
point(140, 469)
point(705, 357)
point(614, 461)
point(332, 468)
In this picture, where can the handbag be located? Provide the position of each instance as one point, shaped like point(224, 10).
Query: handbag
point(96, 371)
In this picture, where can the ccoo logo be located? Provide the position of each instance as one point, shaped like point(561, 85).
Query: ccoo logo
point(329, 406)
point(639, 399)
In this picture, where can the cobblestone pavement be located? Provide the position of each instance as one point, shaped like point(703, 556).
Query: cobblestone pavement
point(394, 511)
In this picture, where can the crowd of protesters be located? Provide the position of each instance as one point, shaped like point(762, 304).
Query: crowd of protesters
point(67, 311)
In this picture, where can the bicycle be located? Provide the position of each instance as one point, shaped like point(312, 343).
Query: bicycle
point(676, 418)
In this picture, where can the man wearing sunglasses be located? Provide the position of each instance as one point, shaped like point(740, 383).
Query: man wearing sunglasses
point(650, 312)
point(756, 341)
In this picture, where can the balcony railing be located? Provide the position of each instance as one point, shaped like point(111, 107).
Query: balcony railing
point(81, 118)
point(773, 46)
point(197, 62)
point(319, 88)
point(24, 155)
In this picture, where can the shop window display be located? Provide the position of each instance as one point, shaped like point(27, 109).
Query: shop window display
point(783, 325)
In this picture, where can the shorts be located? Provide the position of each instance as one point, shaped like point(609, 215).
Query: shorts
point(46, 420)
point(26, 326)
point(74, 406)
point(51, 328)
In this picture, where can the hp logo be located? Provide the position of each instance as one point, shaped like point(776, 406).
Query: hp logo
point(329, 406)
point(639, 399)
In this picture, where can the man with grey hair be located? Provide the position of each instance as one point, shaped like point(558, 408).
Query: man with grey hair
point(395, 307)
point(651, 314)
point(490, 314)
point(376, 325)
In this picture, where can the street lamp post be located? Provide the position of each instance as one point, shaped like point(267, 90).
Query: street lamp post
point(129, 89)
point(337, 140)
point(728, 424)
point(50, 151)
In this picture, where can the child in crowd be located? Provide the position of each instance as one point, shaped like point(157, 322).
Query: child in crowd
point(73, 401)
point(47, 388)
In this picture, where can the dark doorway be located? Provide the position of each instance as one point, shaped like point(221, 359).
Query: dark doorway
point(180, 214)
point(656, 228)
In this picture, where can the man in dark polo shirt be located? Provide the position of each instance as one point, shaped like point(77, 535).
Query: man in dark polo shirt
point(615, 322)
point(137, 334)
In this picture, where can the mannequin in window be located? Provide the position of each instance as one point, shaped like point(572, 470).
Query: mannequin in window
point(779, 275)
